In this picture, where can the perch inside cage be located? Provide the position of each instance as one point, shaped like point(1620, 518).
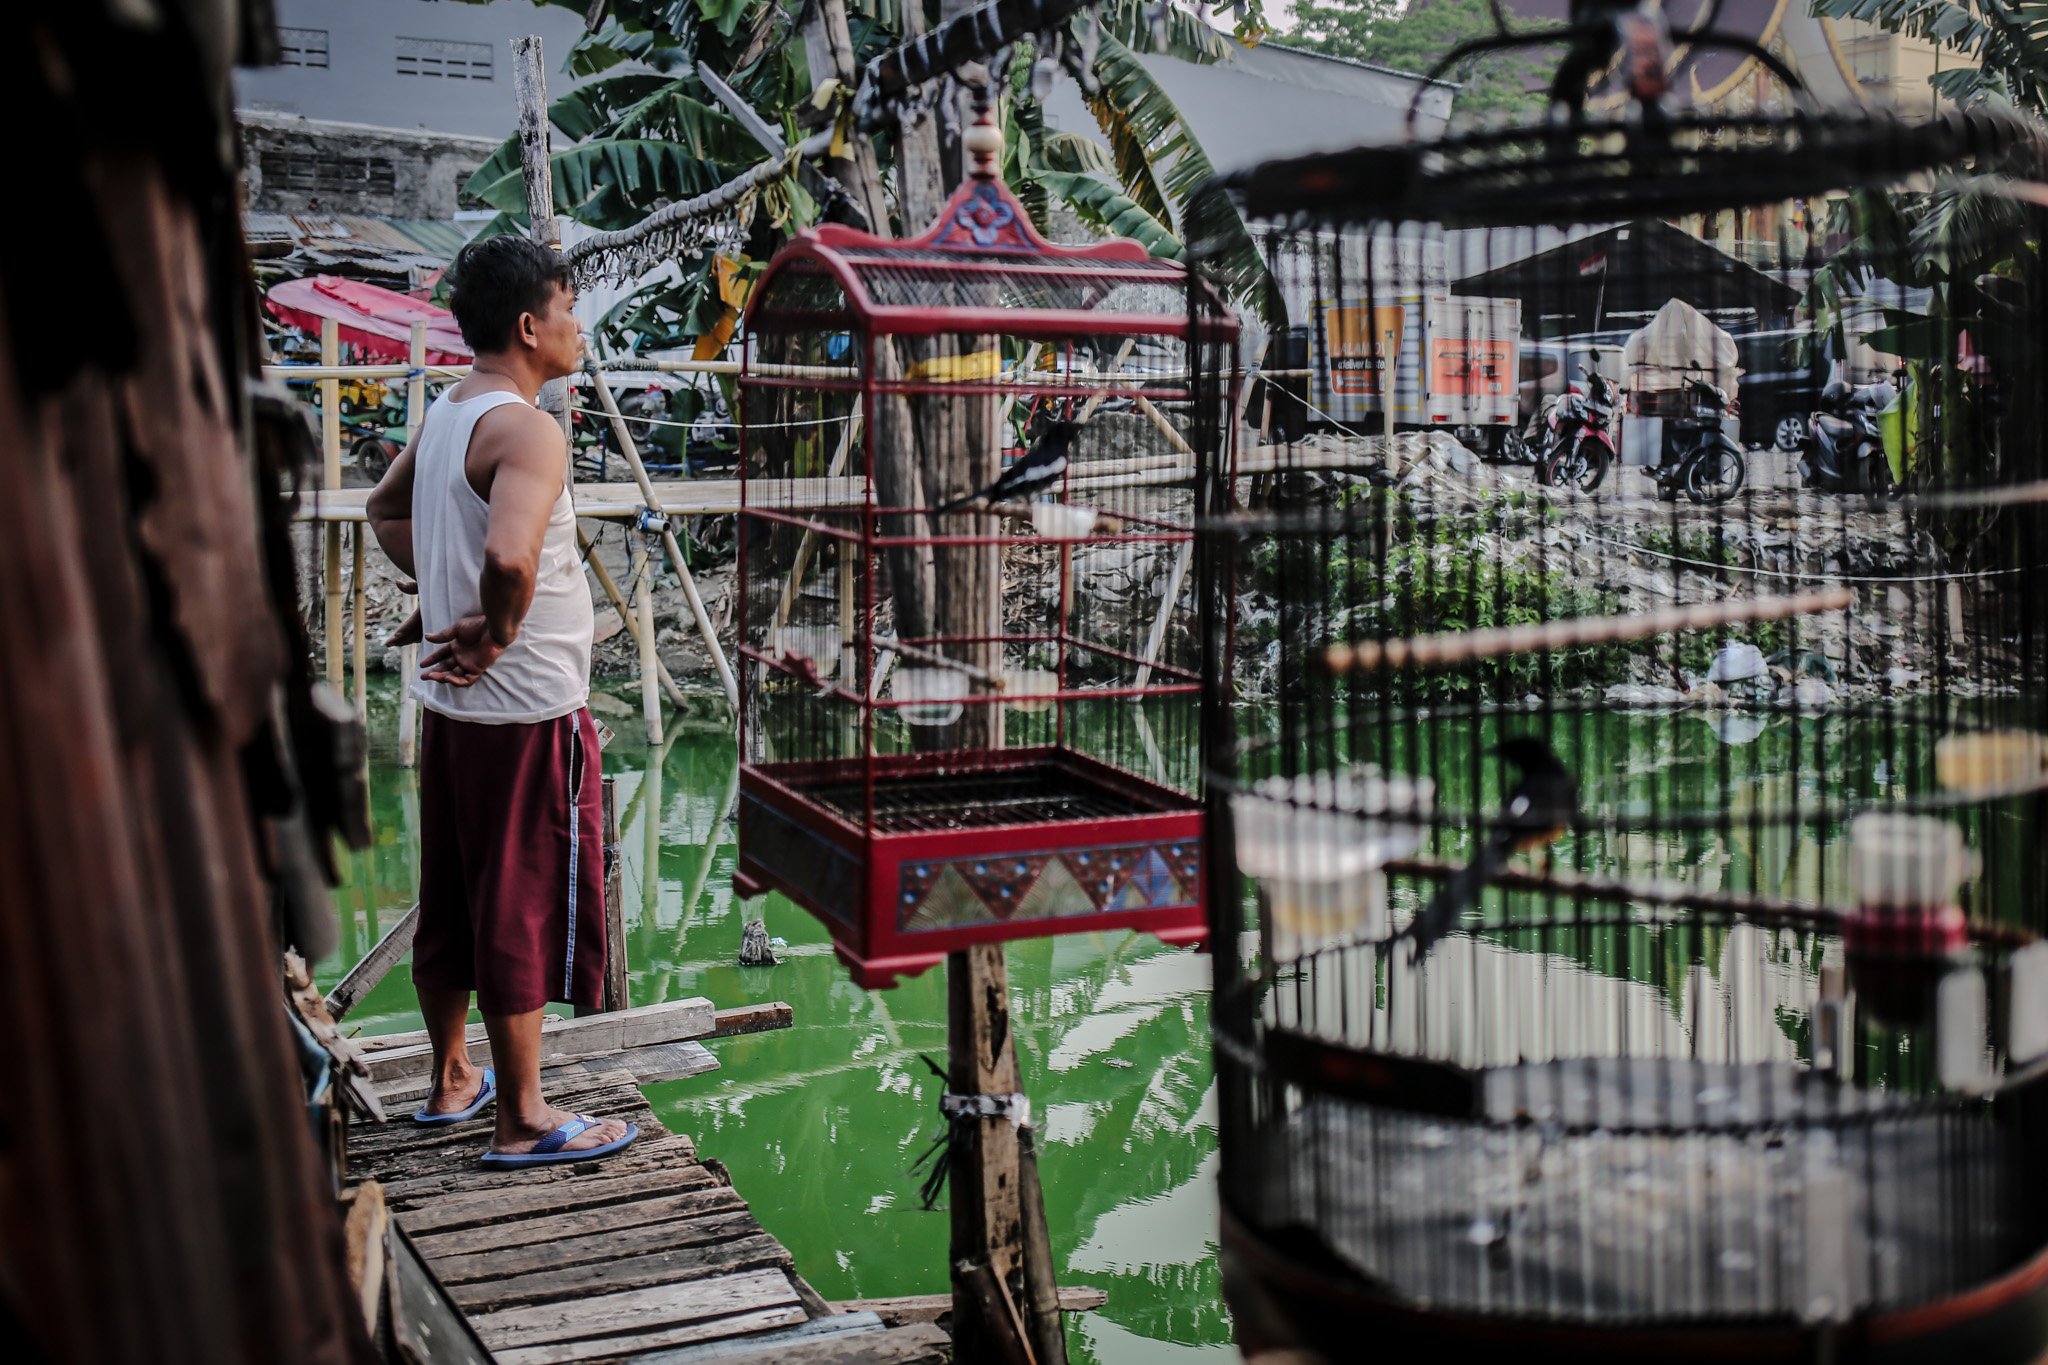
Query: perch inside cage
point(967, 612)
point(1708, 992)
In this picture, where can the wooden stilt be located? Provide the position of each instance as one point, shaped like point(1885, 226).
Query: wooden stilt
point(626, 615)
point(631, 450)
point(409, 655)
point(615, 978)
point(650, 662)
point(649, 799)
point(330, 479)
point(359, 647)
point(987, 1217)
point(1042, 1319)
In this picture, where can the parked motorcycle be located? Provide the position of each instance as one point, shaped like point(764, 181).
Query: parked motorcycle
point(1581, 443)
point(1844, 446)
point(1698, 457)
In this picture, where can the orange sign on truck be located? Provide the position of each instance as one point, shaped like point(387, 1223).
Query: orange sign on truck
point(1363, 341)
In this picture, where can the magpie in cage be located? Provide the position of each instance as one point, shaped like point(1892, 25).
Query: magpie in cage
point(1747, 1059)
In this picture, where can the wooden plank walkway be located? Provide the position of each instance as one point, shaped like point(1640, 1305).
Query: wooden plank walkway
point(650, 1256)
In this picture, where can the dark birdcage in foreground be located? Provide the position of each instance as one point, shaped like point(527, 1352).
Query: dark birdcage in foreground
point(1736, 1046)
point(969, 720)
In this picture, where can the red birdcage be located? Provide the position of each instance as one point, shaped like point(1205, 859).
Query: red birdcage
point(968, 722)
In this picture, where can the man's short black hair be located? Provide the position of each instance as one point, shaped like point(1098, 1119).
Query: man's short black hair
point(493, 281)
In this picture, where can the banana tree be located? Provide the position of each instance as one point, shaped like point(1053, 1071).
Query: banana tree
point(641, 137)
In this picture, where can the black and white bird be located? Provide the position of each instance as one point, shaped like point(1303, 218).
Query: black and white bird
point(1538, 809)
point(1041, 467)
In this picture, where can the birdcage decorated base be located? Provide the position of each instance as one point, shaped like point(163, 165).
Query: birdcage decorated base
point(967, 611)
point(954, 857)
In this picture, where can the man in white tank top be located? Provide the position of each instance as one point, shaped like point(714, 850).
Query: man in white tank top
point(478, 510)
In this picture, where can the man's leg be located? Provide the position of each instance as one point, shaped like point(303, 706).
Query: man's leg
point(524, 1115)
point(456, 1078)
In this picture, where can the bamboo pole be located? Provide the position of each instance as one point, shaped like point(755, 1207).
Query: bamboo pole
point(626, 616)
point(631, 451)
point(643, 634)
point(1157, 639)
point(1454, 647)
point(616, 996)
point(530, 94)
point(359, 647)
point(409, 655)
point(330, 479)
point(807, 546)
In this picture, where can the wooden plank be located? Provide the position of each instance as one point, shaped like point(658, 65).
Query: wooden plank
point(376, 964)
point(561, 1040)
point(752, 1019)
point(364, 1234)
point(572, 1089)
point(919, 1344)
point(641, 1156)
point(637, 1311)
point(641, 1065)
point(458, 1212)
point(615, 1232)
point(897, 1312)
point(853, 1324)
point(668, 1265)
point(426, 1328)
point(621, 1347)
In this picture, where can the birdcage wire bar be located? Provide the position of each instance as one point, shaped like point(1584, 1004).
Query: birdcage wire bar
point(967, 721)
point(1669, 1074)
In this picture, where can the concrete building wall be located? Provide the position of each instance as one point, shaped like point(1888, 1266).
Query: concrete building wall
point(294, 165)
point(422, 64)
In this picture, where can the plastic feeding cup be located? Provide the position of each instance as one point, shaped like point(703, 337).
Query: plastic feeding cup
point(1904, 871)
point(1316, 843)
point(929, 696)
point(1029, 691)
point(1060, 521)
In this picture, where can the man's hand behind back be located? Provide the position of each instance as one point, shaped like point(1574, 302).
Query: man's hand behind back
point(467, 652)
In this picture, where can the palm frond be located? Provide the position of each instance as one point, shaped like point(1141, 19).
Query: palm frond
point(1142, 121)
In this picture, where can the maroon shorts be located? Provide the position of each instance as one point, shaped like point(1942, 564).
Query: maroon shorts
point(511, 862)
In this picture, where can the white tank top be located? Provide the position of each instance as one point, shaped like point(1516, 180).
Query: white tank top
point(546, 672)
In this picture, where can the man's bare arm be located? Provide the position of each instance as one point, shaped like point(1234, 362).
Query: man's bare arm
point(517, 463)
point(390, 510)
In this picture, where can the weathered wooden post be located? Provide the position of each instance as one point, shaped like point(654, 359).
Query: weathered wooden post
point(530, 90)
point(615, 992)
point(409, 655)
point(330, 480)
point(359, 602)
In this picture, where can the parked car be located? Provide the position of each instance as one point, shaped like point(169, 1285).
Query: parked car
point(1782, 375)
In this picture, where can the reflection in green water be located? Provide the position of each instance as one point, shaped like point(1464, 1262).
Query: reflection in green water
point(820, 1123)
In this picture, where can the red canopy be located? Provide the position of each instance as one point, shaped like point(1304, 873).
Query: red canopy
point(374, 320)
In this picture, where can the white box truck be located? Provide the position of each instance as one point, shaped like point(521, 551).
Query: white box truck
point(1456, 364)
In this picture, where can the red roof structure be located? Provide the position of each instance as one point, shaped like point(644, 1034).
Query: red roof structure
point(375, 321)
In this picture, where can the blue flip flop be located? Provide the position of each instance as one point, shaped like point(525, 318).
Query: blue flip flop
point(548, 1151)
point(487, 1092)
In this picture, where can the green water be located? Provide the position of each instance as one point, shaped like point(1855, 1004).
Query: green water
point(821, 1122)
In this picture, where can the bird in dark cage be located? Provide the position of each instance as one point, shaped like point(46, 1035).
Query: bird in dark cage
point(1042, 466)
point(1537, 811)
